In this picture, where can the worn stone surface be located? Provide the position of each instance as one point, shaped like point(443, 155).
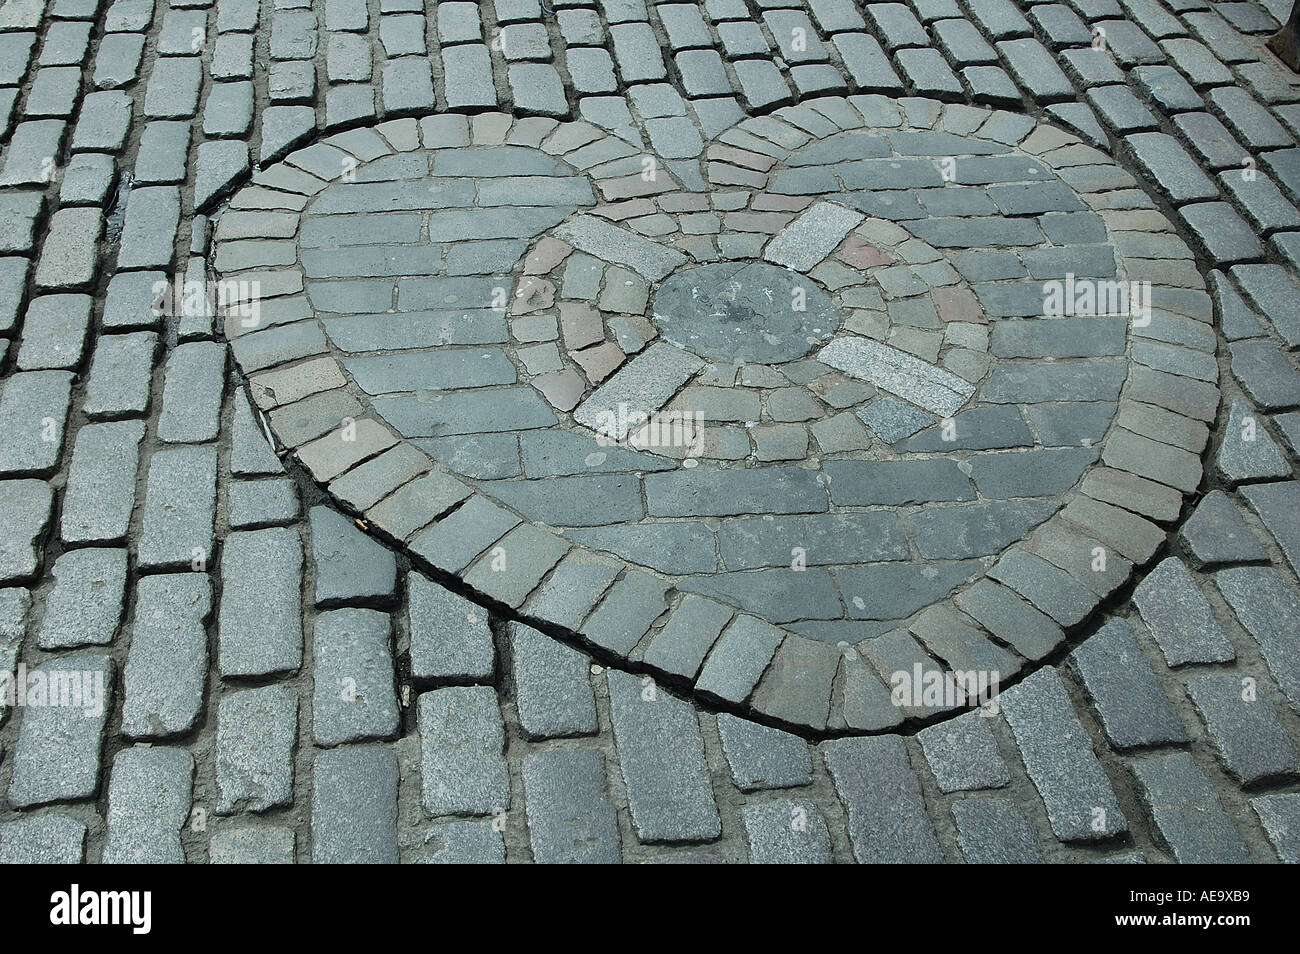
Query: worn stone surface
point(963, 463)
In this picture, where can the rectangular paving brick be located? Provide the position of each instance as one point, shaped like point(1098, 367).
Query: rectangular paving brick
point(1134, 711)
point(570, 818)
point(33, 411)
point(1179, 616)
point(450, 638)
point(85, 605)
point(43, 840)
point(994, 831)
point(1188, 816)
point(516, 564)
point(796, 688)
point(1276, 504)
point(462, 745)
point(700, 492)
point(257, 731)
point(1245, 728)
point(60, 739)
point(149, 798)
point(23, 521)
point(354, 806)
point(573, 588)
point(899, 373)
point(812, 236)
point(552, 685)
point(251, 845)
point(661, 755)
point(192, 387)
point(454, 541)
point(761, 757)
point(148, 232)
point(687, 635)
point(260, 618)
point(786, 831)
point(353, 698)
point(876, 784)
point(627, 612)
point(636, 391)
point(1059, 757)
point(121, 375)
point(1265, 603)
point(179, 505)
point(963, 754)
point(167, 665)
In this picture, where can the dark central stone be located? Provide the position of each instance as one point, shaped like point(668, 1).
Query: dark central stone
point(738, 312)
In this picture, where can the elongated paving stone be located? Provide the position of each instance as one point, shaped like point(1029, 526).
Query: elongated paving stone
point(57, 757)
point(552, 686)
point(260, 619)
point(1188, 816)
point(1059, 757)
point(462, 745)
point(661, 755)
point(354, 806)
point(874, 779)
point(149, 797)
point(167, 666)
point(786, 831)
point(899, 373)
point(570, 818)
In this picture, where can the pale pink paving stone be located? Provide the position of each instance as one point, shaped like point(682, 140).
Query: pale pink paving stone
point(580, 324)
point(546, 254)
point(599, 362)
point(532, 294)
point(863, 255)
point(958, 304)
point(619, 211)
point(563, 389)
point(741, 157)
point(781, 203)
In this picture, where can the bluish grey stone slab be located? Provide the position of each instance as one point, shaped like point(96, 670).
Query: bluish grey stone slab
point(450, 638)
point(1189, 819)
point(354, 806)
point(51, 839)
point(786, 831)
point(167, 665)
point(887, 819)
point(963, 754)
point(661, 756)
point(570, 818)
point(149, 797)
point(260, 618)
point(1134, 711)
point(1179, 616)
point(353, 697)
point(350, 567)
point(1245, 728)
point(1059, 757)
point(994, 831)
point(257, 732)
point(552, 685)
point(462, 745)
point(761, 757)
point(57, 756)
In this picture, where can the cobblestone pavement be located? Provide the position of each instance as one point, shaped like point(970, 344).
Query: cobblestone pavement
point(623, 394)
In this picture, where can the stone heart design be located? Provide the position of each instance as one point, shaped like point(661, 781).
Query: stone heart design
point(762, 424)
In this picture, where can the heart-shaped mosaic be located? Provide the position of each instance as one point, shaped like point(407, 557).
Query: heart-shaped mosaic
point(770, 424)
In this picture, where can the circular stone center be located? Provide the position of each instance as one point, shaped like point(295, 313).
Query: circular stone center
point(753, 313)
